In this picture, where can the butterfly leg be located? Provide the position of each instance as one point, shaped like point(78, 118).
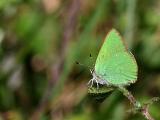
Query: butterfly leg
point(90, 83)
point(97, 84)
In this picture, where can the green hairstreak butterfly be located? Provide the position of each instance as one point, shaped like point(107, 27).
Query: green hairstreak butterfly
point(115, 65)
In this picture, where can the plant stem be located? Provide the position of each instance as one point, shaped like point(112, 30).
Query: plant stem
point(131, 22)
point(56, 69)
point(143, 109)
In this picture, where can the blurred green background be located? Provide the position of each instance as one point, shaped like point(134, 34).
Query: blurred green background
point(41, 40)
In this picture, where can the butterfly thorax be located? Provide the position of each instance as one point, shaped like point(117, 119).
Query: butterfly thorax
point(97, 79)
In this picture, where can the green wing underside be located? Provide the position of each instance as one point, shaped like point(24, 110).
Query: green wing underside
point(120, 69)
point(114, 63)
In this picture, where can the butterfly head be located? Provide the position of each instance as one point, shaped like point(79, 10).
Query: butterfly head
point(92, 71)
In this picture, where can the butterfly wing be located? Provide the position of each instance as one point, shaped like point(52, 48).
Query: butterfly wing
point(114, 63)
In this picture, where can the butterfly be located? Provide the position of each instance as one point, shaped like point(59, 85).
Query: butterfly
point(115, 64)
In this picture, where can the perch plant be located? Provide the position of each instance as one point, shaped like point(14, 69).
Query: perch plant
point(116, 68)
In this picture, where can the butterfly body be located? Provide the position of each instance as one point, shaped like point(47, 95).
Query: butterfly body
point(97, 79)
point(115, 65)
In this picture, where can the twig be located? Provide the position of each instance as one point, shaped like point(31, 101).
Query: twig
point(143, 109)
point(145, 112)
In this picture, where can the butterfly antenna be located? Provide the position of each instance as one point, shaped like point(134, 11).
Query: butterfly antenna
point(90, 55)
point(89, 67)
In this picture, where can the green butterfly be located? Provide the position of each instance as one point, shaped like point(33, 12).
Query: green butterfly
point(115, 65)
